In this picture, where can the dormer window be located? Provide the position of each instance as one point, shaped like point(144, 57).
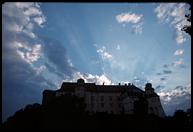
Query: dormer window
point(80, 91)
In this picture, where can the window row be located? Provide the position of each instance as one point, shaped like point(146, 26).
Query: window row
point(102, 105)
point(102, 98)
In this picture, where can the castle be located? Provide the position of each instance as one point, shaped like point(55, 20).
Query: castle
point(112, 99)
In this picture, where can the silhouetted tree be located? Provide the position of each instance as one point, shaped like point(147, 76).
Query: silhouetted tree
point(68, 113)
point(64, 112)
point(187, 28)
point(179, 119)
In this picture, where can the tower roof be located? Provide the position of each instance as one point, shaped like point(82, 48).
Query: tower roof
point(80, 80)
point(148, 85)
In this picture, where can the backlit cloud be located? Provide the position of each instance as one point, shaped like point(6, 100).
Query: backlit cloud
point(137, 28)
point(173, 13)
point(89, 78)
point(104, 54)
point(20, 50)
point(27, 14)
point(178, 62)
point(180, 37)
point(177, 98)
point(179, 52)
point(132, 18)
point(128, 17)
point(38, 56)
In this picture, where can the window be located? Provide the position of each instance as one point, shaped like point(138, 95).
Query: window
point(110, 98)
point(102, 98)
point(120, 105)
point(111, 104)
point(102, 105)
point(92, 98)
point(92, 105)
point(151, 110)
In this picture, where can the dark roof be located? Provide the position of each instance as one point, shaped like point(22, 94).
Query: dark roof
point(70, 87)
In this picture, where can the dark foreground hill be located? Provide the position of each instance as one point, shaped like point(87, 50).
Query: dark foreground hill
point(67, 113)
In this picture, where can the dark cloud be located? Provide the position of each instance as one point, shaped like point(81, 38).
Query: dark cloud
point(167, 71)
point(159, 87)
point(20, 79)
point(163, 78)
point(58, 63)
point(177, 98)
point(158, 73)
point(178, 103)
point(21, 84)
point(179, 87)
point(166, 65)
point(182, 66)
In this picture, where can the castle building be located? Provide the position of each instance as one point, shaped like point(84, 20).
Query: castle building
point(112, 99)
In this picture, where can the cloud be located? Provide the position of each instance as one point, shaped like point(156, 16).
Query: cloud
point(132, 18)
point(57, 59)
point(118, 47)
point(158, 73)
point(167, 71)
point(163, 78)
point(29, 54)
point(40, 69)
point(173, 13)
point(33, 11)
point(89, 78)
point(29, 66)
point(163, 11)
point(178, 62)
point(159, 87)
point(139, 81)
point(22, 80)
point(179, 52)
point(104, 54)
point(21, 17)
point(22, 84)
point(137, 28)
point(179, 37)
point(128, 17)
point(39, 20)
point(166, 65)
point(177, 98)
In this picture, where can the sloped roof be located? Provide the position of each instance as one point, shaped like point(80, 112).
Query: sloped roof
point(91, 87)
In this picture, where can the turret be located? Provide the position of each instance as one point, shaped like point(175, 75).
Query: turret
point(154, 104)
point(80, 90)
point(149, 89)
point(80, 81)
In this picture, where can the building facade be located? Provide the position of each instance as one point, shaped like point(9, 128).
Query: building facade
point(112, 99)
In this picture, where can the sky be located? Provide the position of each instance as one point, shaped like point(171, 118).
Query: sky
point(45, 44)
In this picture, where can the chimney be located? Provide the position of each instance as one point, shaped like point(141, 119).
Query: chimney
point(119, 84)
point(103, 83)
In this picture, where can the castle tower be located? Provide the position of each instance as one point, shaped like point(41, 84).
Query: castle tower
point(154, 104)
point(80, 90)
